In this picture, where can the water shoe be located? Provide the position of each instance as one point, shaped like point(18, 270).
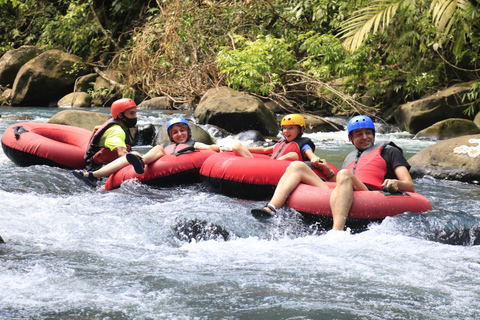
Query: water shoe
point(90, 181)
point(136, 162)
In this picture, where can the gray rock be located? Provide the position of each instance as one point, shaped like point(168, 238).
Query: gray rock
point(250, 135)
point(317, 124)
point(83, 83)
point(13, 60)
point(450, 128)
point(235, 112)
point(46, 78)
point(158, 103)
point(75, 100)
point(477, 120)
point(452, 159)
point(83, 119)
point(417, 115)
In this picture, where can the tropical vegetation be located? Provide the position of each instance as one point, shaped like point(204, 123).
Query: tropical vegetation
point(323, 56)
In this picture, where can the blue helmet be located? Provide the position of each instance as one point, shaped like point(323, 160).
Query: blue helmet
point(176, 120)
point(360, 122)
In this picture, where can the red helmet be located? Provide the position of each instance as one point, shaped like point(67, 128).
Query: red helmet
point(121, 105)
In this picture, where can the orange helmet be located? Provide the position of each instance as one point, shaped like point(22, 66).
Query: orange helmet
point(121, 105)
point(294, 119)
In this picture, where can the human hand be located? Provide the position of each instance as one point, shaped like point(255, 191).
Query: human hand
point(390, 185)
point(319, 163)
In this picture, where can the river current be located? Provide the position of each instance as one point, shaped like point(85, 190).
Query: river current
point(73, 253)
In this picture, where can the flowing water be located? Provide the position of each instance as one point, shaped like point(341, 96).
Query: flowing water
point(73, 253)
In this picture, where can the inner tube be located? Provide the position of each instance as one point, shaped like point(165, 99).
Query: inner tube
point(56, 145)
point(245, 178)
point(368, 206)
point(169, 170)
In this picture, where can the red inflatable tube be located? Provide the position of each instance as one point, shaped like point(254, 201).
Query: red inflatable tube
point(367, 205)
point(246, 178)
point(167, 171)
point(56, 145)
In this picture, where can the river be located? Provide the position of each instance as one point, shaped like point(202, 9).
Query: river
point(73, 253)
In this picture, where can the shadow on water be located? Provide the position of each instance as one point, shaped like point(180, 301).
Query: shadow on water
point(448, 228)
point(198, 230)
point(453, 228)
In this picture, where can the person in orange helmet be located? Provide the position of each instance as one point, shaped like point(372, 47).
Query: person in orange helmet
point(292, 147)
point(112, 139)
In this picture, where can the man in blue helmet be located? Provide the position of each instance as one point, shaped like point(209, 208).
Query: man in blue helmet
point(369, 167)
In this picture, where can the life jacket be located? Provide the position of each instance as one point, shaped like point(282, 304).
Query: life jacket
point(96, 155)
point(369, 166)
point(181, 148)
point(283, 147)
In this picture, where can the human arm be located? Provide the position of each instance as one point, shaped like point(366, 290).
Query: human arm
point(115, 140)
point(289, 156)
point(403, 182)
point(262, 150)
point(213, 147)
point(121, 151)
point(322, 165)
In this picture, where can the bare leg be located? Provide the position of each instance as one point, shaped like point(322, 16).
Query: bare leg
point(341, 198)
point(297, 172)
point(111, 168)
point(153, 154)
point(241, 151)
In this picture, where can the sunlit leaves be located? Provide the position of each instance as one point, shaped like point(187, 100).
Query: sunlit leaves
point(258, 65)
point(367, 21)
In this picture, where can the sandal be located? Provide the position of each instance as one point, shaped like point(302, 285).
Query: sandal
point(266, 212)
point(136, 162)
point(90, 180)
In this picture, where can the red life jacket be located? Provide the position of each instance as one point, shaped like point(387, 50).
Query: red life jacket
point(283, 147)
point(180, 148)
point(368, 166)
point(96, 155)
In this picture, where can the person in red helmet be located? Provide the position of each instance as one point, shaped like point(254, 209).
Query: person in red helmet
point(113, 138)
point(180, 135)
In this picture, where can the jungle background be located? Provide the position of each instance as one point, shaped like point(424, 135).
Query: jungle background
point(321, 56)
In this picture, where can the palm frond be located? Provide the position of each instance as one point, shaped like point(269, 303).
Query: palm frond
point(367, 21)
point(448, 17)
point(443, 11)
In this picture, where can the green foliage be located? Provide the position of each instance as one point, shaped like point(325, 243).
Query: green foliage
point(473, 96)
point(101, 95)
point(75, 31)
point(181, 48)
point(258, 65)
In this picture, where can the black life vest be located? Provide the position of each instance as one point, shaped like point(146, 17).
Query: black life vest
point(181, 148)
point(96, 155)
point(283, 147)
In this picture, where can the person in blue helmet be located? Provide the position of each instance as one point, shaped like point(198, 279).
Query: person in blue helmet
point(369, 167)
point(180, 135)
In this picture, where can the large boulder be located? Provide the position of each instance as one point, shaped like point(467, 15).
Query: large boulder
point(198, 134)
point(452, 159)
point(417, 115)
point(450, 128)
point(76, 100)
point(13, 60)
point(236, 112)
point(157, 103)
point(477, 120)
point(317, 124)
point(46, 78)
point(86, 82)
point(83, 119)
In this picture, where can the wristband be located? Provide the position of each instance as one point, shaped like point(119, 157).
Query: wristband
point(330, 174)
